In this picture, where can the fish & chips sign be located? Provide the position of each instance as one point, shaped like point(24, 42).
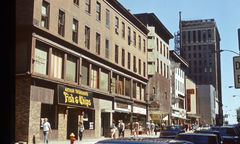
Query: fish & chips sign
point(75, 97)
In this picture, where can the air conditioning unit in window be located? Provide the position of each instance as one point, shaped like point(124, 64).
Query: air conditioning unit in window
point(116, 30)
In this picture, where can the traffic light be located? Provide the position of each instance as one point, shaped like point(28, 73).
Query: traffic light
point(217, 115)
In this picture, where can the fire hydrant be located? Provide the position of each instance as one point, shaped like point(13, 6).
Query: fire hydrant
point(72, 138)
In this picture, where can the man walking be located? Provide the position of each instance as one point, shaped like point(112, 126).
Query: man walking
point(121, 130)
point(162, 126)
point(152, 128)
point(148, 127)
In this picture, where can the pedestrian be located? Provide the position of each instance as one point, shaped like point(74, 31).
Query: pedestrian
point(46, 129)
point(186, 127)
point(113, 131)
point(156, 128)
point(121, 128)
point(81, 130)
point(148, 127)
point(152, 128)
point(163, 126)
point(136, 127)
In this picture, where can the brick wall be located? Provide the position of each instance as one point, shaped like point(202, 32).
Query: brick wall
point(22, 105)
point(62, 124)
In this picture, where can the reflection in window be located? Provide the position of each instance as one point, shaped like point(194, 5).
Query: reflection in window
point(56, 64)
point(41, 58)
point(104, 80)
point(71, 67)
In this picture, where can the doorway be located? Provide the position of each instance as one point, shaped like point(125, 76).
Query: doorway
point(105, 124)
point(72, 122)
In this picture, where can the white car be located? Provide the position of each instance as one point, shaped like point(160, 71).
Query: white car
point(206, 127)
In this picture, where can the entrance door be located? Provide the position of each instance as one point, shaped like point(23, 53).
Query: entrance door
point(105, 124)
point(72, 122)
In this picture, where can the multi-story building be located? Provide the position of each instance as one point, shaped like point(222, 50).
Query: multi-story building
point(207, 103)
point(78, 61)
point(192, 102)
point(199, 39)
point(178, 88)
point(158, 67)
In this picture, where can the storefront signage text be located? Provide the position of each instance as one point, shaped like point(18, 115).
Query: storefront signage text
point(75, 97)
point(139, 110)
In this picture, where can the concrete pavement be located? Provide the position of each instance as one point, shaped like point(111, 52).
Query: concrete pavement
point(93, 141)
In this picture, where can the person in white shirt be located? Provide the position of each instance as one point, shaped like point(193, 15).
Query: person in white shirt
point(113, 131)
point(148, 127)
point(46, 129)
point(152, 128)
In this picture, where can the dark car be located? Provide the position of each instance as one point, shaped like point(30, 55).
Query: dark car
point(142, 140)
point(198, 138)
point(228, 134)
point(211, 132)
point(171, 131)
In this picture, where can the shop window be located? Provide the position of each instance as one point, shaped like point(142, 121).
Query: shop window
point(134, 89)
point(41, 58)
point(143, 93)
point(127, 86)
point(138, 92)
point(120, 86)
point(114, 83)
point(71, 68)
point(90, 116)
point(56, 64)
point(104, 80)
point(51, 113)
point(94, 77)
point(85, 73)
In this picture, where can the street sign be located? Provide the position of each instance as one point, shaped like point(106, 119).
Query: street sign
point(236, 68)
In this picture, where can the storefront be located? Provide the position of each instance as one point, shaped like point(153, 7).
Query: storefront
point(178, 116)
point(123, 111)
point(193, 118)
point(140, 114)
point(158, 115)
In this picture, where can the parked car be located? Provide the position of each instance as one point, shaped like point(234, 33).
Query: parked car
point(205, 127)
point(171, 131)
point(198, 138)
point(228, 133)
point(142, 140)
point(211, 132)
point(195, 127)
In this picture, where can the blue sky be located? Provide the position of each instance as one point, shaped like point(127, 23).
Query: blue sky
point(227, 16)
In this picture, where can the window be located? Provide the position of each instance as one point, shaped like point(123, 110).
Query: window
point(210, 78)
point(200, 78)
point(194, 36)
point(104, 79)
point(184, 48)
point(157, 66)
point(139, 66)
point(144, 69)
point(107, 49)
point(194, 55)
point(167, 52)
point(56, 64)
point(160, 47)
point(200, 55)
point(138, 96)
point(210, 62)
point(165, 95)
point(114, 83)
point(161, 67)
point(167, 71)
point(189, 36)
point(209, 35)
point(189, 70)
point(205, 78)
point(184, 37)
point(143, 93)
point(76, 2)
point(199, 47)
point(139, 42)
point(200, 62)
point(210, 69)
point(200, 70)
point(189, 63)
point(85, 73)
point(129, 60)
point(95, 77)
point(195, 62)
point(189, 55)
point(144, 47)
point(45, 14)
point(87, 5)
point(199, 36)
point(205, 54)
point(98, 43)
point(210, 54)
point(98, 11)
point(205, 70)
point(164, 70)
point(75, 31)
point(204, 47)
point(71, 68)
point(194, 47)
point(204, 36)
point(107, 18)
point(121, 85)
point(116, 53)
point(205, 62)
point(50, 112)
point(164, 50)
point(61, 23)
point(123, 29)
point(134, 38)
point(209, 47)
point(189, 48)
point(134, 64)
point(129, 35)
point(123, 57)
point(116, 25)
point(127, 86)
point(41, 58)
point(87, 37)
point(157, 44)
point(134, 89)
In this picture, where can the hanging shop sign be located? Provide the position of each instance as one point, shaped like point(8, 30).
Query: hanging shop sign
point(139, 110)
point(75, 97)
point(154, 105)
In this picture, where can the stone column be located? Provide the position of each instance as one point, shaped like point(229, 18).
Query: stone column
point(62, 123)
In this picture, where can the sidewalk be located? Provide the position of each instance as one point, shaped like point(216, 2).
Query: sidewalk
point(93, 141)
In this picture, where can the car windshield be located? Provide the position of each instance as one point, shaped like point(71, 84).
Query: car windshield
point(171, 128)
point(198, 139)
point(225, 131)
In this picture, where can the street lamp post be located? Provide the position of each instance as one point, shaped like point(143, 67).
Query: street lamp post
point(221, 50)
point(236, 95)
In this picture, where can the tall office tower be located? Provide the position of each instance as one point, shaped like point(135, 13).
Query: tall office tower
point(199, 39)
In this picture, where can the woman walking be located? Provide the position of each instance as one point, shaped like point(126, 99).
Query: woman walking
point(113, 131)
point(46, 128)
point(136, 127)
point(81, 129)
point(156, 128)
